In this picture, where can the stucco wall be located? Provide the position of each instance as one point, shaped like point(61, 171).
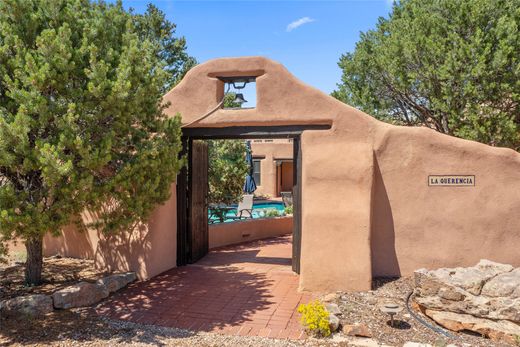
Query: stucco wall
point(148, 249)
point(367, 208)
point(224, 234)
point(419, 225)
point(269, 151)
point(16, 248)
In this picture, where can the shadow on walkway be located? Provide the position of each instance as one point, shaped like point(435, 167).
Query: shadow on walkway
point(248, 289)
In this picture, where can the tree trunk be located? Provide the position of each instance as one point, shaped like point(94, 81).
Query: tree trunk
point(33, 266)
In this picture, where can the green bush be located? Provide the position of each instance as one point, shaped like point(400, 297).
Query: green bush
point(272, 213)
point(289, 209)
point(315, 318)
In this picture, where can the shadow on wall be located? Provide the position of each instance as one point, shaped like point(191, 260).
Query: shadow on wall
point(74, 241)
point(147, 248)
point(382, 238)
point(121, 251)
point(125, 251)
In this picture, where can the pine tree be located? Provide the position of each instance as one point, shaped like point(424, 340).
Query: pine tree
point(450, 65)
point(81, 121)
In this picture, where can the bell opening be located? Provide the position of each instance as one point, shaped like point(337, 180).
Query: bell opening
point(239, 92)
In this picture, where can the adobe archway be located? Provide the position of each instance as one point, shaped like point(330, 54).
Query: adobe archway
point(368, 209)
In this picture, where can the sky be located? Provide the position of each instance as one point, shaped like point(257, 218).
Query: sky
point(307, 37)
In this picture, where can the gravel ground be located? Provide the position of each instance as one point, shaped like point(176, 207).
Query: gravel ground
point(83, 327)
point(363, 307)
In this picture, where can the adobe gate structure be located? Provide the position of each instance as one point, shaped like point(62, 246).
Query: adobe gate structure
point(376, 199)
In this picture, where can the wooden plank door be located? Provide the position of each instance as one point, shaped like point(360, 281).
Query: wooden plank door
point(182, 209)
point(198, 237)
point(297, 204)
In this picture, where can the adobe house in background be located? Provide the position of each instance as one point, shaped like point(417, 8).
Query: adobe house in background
point(273, 166)
point(373, 199)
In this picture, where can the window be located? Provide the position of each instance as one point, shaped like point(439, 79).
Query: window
point(256, 171)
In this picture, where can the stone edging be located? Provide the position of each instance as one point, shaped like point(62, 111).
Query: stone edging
point(80, 294)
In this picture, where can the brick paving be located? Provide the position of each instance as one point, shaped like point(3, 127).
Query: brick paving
point(248, 289)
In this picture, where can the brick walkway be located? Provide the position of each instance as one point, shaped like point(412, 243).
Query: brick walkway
point(247, 289)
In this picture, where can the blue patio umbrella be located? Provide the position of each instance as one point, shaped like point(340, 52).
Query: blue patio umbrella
point(249, 185)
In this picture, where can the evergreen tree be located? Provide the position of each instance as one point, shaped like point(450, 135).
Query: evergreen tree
point(81, 120)
point(450, 65)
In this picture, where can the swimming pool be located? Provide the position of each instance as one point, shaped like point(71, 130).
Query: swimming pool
point(260, 210)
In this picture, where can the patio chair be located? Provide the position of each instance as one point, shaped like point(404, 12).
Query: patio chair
point(287, 198)
point(244, 208)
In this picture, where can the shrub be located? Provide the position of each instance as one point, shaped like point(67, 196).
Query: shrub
point(315, 318)
point(272, 213)
point(227, 170)
point(289, 209)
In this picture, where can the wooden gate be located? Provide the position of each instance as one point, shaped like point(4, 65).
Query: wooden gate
point(297, 205)
point(198, 237)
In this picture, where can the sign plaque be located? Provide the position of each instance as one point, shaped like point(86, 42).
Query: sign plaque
point(451, 180)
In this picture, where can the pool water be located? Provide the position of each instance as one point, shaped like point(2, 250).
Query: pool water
point(260, 210)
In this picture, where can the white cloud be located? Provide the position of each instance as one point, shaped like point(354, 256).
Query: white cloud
point(298, 23)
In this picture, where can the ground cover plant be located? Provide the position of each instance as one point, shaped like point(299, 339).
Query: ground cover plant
point(315, 318)
point(81, 120)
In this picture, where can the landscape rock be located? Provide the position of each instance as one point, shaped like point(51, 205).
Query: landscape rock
point(117, 281)
point(505, 284)
point(371, 300)
point(329, 297)
point(29, 305)
point(333, 322)
point(501, 330)
point(79, 295)
point(333, 309)
point(488, 290)
point(357, 330)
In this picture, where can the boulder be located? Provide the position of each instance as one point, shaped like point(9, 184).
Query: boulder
point(117, 281)
point(501, 330)
point(333, 323)
point(29, 305)
point(503, 285)
point(469, 279)
point(487, 290)
point(330, 297)
point(334, 309)
point(79, 295)
point(357, 330)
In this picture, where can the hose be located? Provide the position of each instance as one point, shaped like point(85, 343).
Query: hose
point(210, 112)
point(425, 323)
